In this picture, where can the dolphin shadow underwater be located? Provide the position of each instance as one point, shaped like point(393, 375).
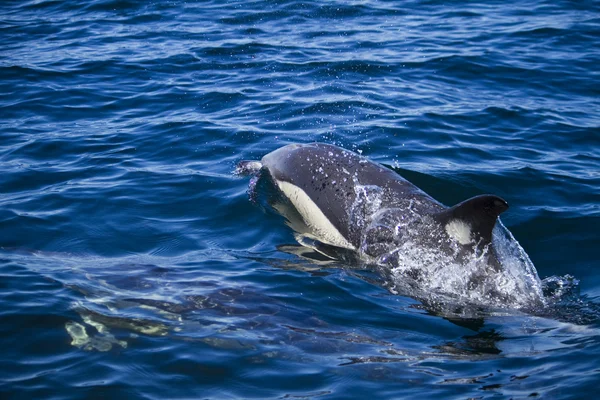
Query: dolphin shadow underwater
point(348, 208)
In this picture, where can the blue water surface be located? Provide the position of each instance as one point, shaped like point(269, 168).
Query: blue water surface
point(134, 265)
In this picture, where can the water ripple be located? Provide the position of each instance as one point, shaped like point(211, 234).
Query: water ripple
point(130, 251)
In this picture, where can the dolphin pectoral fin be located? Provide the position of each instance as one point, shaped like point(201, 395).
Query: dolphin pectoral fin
point(328, 250)
point(472, 221)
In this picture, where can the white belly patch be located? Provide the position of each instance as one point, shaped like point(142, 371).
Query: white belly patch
point(313, 217)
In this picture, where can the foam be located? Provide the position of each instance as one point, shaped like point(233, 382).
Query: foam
point(421, 262)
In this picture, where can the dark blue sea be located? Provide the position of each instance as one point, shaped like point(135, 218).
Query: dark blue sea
point(135, 264)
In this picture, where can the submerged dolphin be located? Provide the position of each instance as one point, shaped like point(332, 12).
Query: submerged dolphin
point(340, 200)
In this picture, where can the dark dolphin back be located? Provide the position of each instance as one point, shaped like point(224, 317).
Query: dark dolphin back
point(329, 175)
point(479, 212)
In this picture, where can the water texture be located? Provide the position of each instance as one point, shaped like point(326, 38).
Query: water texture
point(134, 265)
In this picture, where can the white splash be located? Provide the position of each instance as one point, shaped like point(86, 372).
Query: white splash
point(421, 262)
point(432, 274)
point(460, 231)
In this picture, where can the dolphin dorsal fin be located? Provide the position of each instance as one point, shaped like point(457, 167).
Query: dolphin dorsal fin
point(473, 220)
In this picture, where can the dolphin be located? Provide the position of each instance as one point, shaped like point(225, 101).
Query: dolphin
point(339, 202)
point(343, 198)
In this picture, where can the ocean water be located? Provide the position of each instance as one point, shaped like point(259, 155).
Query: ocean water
point(134, 264)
